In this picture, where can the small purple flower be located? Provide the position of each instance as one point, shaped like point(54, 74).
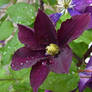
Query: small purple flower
point(55, 17)
point(45, 49)
point(86, 77)
point(80, 7)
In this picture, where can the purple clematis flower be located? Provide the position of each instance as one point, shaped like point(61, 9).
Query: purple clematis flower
point(86, 77)
point(45, 49)
point(80, 7)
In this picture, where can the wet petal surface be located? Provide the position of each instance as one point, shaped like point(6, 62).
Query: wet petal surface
point(25, 58)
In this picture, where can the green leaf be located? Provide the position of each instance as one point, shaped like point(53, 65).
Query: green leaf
point(87, 90)
point(4, 84)
point(85, 37)
point(65, 17)
point(6, 29)
point(2, 2)
point(22, 13)
point(79, 48)
point(64, 82)
point(23, 80)
point(9, 50)
point(45, 1)
point(52, 2)
point(48, 11)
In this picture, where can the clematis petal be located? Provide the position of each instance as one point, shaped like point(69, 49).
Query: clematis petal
point(85, 78)
point(83, 82)
point(44, 29)
point(89, 10)
point(26, 36)
point(72, 28)
point(80, 5)
point(38, 75)
point(90, 84)
point(73, 12)
point(25, 58)
point(55, 17)
point(62, 62)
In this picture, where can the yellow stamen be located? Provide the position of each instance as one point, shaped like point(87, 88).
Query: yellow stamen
point(52, 49)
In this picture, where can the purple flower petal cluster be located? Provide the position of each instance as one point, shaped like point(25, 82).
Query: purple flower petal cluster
point(80, 7)
point(86, 77)
point(45, 49)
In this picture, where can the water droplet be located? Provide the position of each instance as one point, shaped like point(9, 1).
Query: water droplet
point(32, 57)
point(12, 65)
point(32, 17)
point(69, 74)
point(43, 63)
point(4, 53)
point(27, 61)
point(8, 47)
point(30, 10)
point(73, 72)
point(19, 22)
point(79, 68)
point(21, 63)
point(25, 7)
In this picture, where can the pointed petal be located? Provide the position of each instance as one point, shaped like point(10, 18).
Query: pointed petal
point(38, 75)
point(55, 17)
point(89, 10)
point(25, 58)
point(44, 29)
point(62, 62)
point(26, 36)
point(83, 82)
point(72, 28)
point(80, 5)
point(85, 78)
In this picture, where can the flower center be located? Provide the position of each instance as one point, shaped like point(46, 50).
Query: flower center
point(63, 5)
point(66, 5)
point(52, 49)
